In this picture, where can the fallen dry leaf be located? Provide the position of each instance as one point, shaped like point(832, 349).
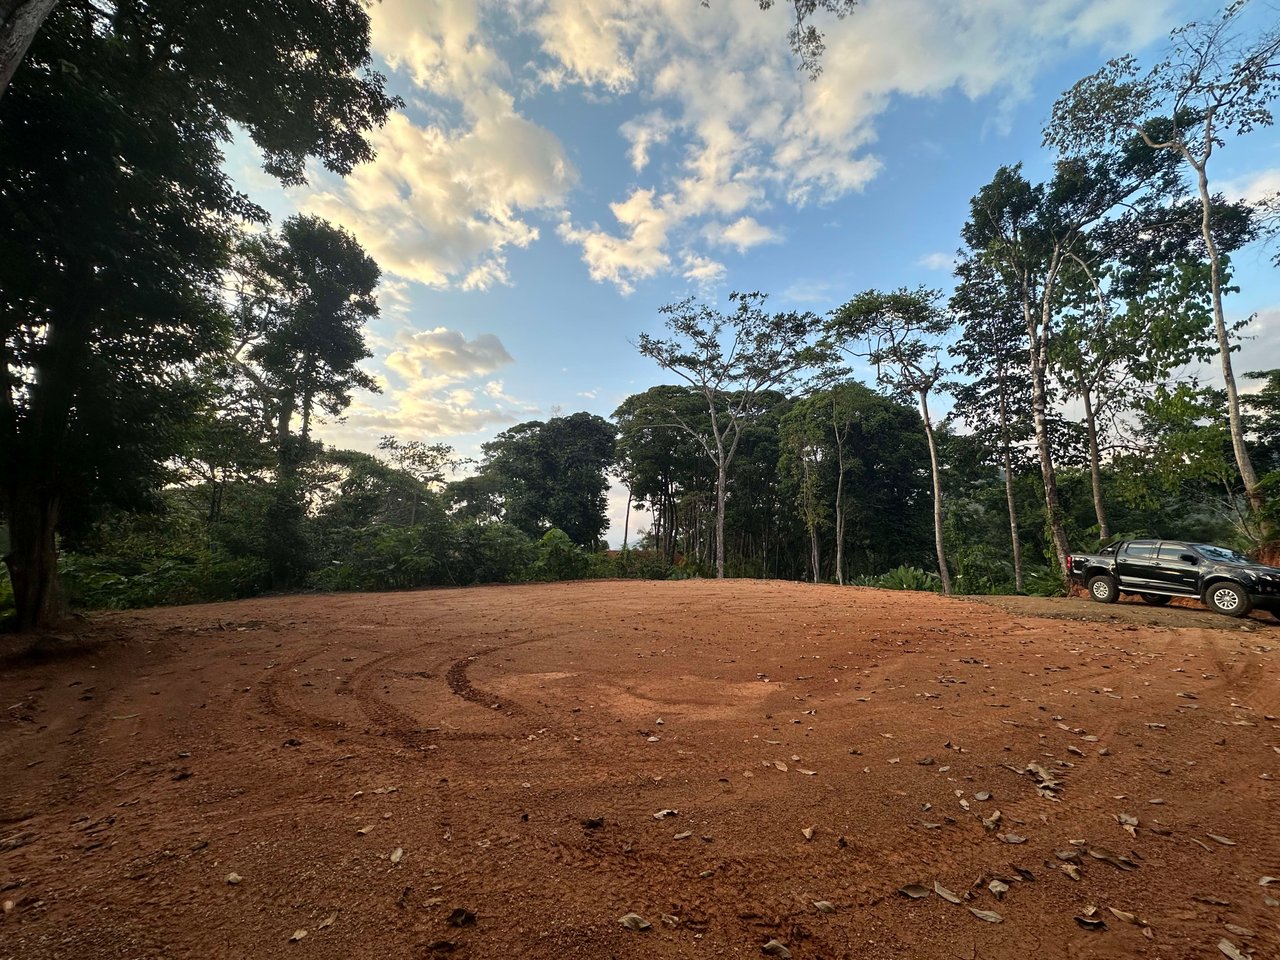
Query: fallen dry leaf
point(809, 832)
point(397, 854)
point(1225, 841)
point(914, 891)
point(944, 893)
point(297, 935)
point(1230, 950)
point(328, 921)
point(988, 915)
point(824, 906)
point(633, 921)
point(998, 888)
point(775, 948)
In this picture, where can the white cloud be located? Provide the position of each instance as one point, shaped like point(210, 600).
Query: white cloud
point(1252, 187)
point(446, 198)
point(637, 254)
point(441, 206)
point(429, 354)
point(937, 261)
point(703, 271)
point(744, 233)
point(755, 132)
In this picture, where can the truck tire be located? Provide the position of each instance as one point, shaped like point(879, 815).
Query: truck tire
point(1228, 598)
point(1155, 599)
point(1102, 588)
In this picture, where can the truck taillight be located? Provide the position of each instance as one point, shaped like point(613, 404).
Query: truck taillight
point(1071, 563)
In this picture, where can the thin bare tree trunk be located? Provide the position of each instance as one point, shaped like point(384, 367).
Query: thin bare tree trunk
point(1039, 340)
point(1014, 540)
point(937, 494)
point(1248, 476)
point(626, 522)
point(1095, 464)
point(20, 21)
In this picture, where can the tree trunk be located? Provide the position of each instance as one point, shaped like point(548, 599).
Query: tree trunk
point(722, 488)
point(1243, 461)
point(20, 21)
point(840, 523)
point(33, 557)
point(1015, 541)
point(937, 494)
point(1039, 341)
point(1095, 464)
point(839, 511)
point(626, 522)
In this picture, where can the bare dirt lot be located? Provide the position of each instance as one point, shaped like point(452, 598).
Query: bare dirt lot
point(505, 772)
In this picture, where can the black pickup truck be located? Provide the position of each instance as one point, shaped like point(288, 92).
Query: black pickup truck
point(1158, 570)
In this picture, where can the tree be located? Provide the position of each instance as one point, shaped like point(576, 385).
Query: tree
point(1034, 238)
point(300, 322)
point(730, 360)
point(1218, 77)
point(20, 20)
point(898, 334)
point(994, 400)
point(657, 458)
point(553, 475)
point(116, 221)
point(425, 463)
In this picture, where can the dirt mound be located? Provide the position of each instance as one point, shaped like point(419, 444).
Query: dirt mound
point(507, 771)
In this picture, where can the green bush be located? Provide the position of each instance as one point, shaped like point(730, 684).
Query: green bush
point(559, 558)
point(904, 578)
point(981, 569)
point(480, 552)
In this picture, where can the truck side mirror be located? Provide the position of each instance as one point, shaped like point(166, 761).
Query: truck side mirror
point(1188, 558)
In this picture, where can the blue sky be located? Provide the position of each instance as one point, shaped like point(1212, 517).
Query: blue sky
point(563, 168)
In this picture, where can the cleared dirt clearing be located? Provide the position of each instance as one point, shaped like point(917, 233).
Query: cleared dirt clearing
point(367, 765)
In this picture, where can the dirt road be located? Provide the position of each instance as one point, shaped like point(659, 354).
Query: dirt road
point(534, 763)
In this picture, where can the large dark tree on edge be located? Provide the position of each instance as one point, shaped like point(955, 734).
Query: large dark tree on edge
point(116, 219)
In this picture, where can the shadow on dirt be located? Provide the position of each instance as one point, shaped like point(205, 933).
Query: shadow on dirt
point(1128, 610)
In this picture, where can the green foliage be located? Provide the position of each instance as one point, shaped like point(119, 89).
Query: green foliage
point(981, 569)
point(640, 565)
point(1043, 581)
point(542, 476)
point(117, 219)
point(904, 578)
point(559, 558)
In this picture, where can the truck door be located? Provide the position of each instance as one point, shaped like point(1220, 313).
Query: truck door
point(1178, 569)
point(1135, 565)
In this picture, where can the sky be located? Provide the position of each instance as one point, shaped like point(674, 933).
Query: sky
point(561, 169)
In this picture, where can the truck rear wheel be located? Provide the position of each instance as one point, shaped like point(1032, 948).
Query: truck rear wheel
point(1155, 599)
point(1228, 598)
point(1103, 588)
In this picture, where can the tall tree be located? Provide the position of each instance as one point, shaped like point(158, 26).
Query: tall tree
point(730, 360)
point(116, 218)
point(1218, 78)
point(994, 400)
point(899, 333)
point(300, 321)
point(553, 475)
point(1034, 237)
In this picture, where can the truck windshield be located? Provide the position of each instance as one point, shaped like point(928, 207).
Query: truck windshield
point(1220, 554)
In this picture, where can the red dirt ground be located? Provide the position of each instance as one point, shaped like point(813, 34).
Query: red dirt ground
point(515, 744)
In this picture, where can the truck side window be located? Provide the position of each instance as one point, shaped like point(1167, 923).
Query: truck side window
point(1140, 549)
point(1175, 553)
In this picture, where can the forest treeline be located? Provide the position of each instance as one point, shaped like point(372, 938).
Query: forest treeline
point(167, 351)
